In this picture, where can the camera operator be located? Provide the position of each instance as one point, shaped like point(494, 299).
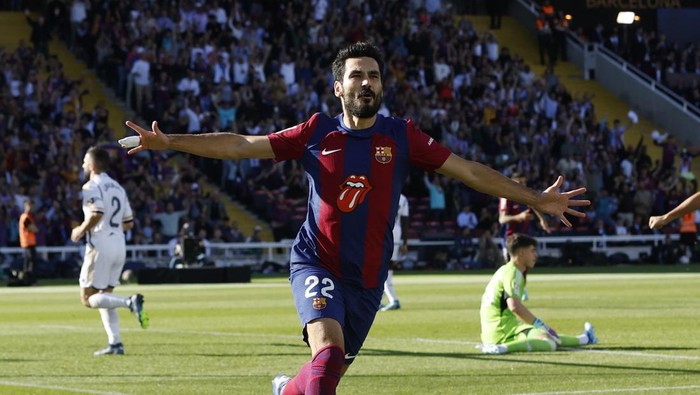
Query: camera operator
point(189, 249)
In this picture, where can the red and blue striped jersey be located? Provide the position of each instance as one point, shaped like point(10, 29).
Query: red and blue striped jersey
point(512, 208)
point(355, 180)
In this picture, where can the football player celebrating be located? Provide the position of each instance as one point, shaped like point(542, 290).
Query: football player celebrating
point(357, 164)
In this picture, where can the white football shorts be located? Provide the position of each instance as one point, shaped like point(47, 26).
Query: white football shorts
point(103, 263)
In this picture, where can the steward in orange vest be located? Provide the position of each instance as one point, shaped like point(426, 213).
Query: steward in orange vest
point(27, 240)
point(689, 230)
point(688, 224)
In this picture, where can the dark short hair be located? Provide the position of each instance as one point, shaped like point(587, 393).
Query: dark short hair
point(516, 241)
point(100, 158)
point(361, 49)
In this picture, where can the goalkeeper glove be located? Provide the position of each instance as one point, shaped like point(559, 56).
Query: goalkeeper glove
point(551, 332)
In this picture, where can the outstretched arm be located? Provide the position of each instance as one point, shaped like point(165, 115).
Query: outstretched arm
point(688, 205)
point(504, 218)
point(487, 180)
point(210, 145)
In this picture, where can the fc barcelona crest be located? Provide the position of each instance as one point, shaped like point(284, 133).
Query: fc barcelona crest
point(383, 155)
point(319, 303)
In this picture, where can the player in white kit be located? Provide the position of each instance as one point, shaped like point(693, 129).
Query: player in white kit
point(107, 214)
point(399, 254)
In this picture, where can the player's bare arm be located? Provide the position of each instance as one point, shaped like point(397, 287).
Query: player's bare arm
point(79, 231)
point(520, 311)
point(486, 180)
point(403, 249)
point(209, 145)
point(504, 218)
point(688, 205)
point(525, 315)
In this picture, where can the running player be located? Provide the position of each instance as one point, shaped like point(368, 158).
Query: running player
point(107, 214)
point(400, 251)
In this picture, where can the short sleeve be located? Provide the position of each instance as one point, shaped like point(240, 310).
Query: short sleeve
point(512, 284)
point(291, 143)
point(403, 207)
point(128, 213)
point(502, 205)
point(92, 197)
point(425, 151)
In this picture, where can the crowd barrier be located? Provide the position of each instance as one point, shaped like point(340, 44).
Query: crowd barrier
point(253, 254)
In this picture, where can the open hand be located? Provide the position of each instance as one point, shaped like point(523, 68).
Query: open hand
point(150, 139)
point(560, 203)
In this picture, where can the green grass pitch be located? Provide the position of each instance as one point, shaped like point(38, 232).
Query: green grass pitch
point(234, 338)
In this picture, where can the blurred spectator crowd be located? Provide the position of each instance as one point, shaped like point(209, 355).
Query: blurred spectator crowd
point(255, 67)
point(669, 63)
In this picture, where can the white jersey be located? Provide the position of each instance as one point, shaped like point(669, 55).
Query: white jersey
point(105, 196)
point(402, 212)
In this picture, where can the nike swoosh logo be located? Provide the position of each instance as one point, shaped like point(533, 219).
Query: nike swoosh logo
point(348, 356)
point(328, 152)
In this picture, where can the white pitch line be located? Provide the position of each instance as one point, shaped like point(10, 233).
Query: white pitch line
point(176, 331)
point(383, 339)
point(605, 391)
point(52, 289)
point(634, 353)
point(55, 387)
point(484, 278)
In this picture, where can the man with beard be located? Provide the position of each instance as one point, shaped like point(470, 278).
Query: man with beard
point(107, 215)
point(357, 163)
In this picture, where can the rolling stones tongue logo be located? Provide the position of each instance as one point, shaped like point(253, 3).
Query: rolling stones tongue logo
point(353, 192)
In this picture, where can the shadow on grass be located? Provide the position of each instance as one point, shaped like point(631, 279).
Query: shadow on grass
point(239, 355)
point(303, 350)
point(10, 360)
point(512, 358)
point(666, 348)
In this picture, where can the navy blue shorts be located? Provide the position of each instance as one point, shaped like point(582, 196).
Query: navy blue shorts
point(318, 294)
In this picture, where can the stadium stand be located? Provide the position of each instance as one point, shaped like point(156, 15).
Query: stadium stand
point(254, 69)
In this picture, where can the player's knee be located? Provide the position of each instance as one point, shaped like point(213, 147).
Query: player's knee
point(90, 300)
point(552, 344)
